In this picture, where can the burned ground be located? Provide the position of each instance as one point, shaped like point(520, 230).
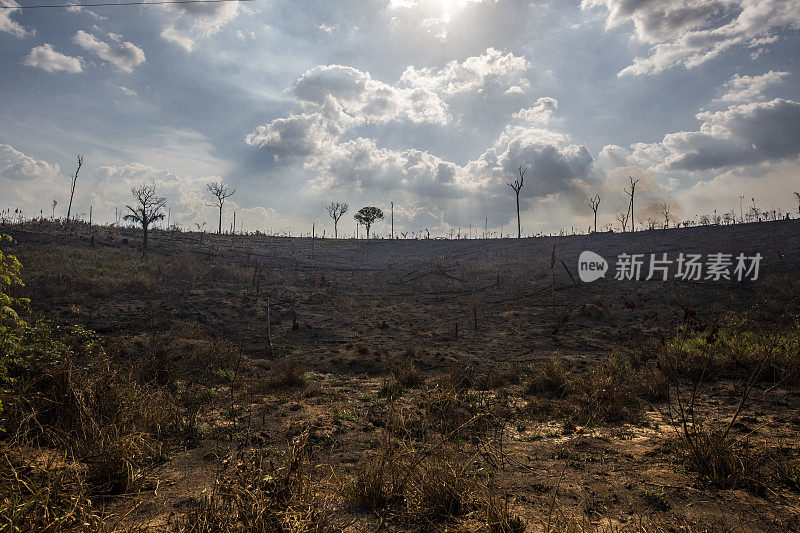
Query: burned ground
point(433, 384)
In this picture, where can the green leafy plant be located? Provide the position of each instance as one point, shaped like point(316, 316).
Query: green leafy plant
point(10, 306)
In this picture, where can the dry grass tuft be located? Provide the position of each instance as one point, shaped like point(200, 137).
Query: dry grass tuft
point(257, 496)
point(285, 376)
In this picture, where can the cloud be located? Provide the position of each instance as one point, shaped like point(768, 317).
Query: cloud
point(9, 26)
point(171, 34)
point(81, 9)
point(187, 22)
point(771, 184)
point(652, 189)
point(658, 20)
point(692, 32)
point(474, 74)
point(47, 59)
point(365, 170)
point(745, 134)
point(434, 17)
point(336, 99)
point(361, 165)
point(750, 88)
point(297, 136)
point(16, 166)
point(127, 92)
point(540, 112)
point(124, 56)
point(26, 182)
point(354, 98)
point(187, 197)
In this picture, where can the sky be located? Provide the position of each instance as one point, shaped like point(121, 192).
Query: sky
point(433, 105)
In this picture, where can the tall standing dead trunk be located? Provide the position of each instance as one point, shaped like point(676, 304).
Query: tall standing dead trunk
point(517, 185)
point(74, 180)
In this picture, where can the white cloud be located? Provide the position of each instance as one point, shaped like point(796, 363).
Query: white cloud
point(27, 183)
point(335, 99)
point(297, 136)
point(745, 134)
point(750, 88)
point(540, 112)
point(16, 166)
point(692, 32)
point(81, 9)
point(124, 56)
point(477, 73)
point(47, 59)
point(771, 184)
point(187, 22)
point(9, 26)
point(354, 98)
point(127, 92)
point(171, 34)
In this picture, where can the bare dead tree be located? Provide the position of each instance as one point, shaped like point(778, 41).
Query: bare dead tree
point(517, 185)
point(74, 179)
point(664, 209)
point(53, 216)
point(149, 208)
point(220, 192)
point(594, 204)
point(335, 211)
point(623, 219)
point(630, 193)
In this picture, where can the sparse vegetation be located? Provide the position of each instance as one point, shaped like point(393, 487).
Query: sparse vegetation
point(178, 402)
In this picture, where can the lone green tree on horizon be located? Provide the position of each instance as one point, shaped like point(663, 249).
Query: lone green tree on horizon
point(367, 216)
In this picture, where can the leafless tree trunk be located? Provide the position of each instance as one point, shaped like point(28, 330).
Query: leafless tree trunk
point(631, 193)
point(74, 179)
point(665, 211)
point(517, 185)
point(594, 204)
point(149, 210)
point(220, 192)
point(335, 211)
point(623, 219)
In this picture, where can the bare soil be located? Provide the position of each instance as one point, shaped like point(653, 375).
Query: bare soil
point(347, 312)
